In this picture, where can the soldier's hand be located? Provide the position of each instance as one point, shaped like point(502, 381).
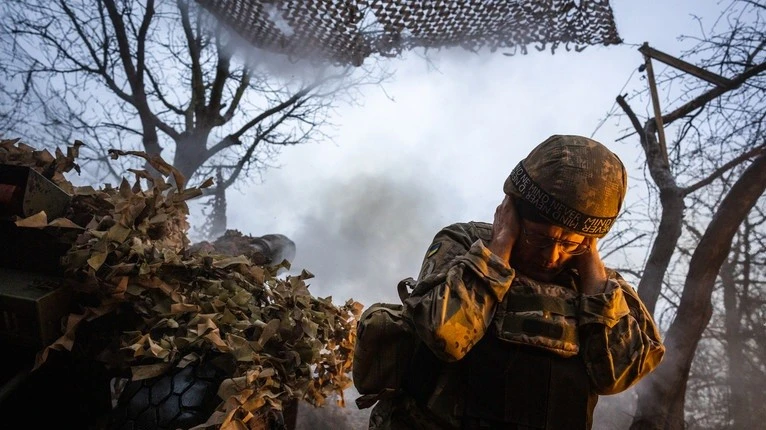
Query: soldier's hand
point(591, 269)
point(505, 229)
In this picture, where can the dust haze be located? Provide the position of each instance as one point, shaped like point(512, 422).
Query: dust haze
point(363, 234)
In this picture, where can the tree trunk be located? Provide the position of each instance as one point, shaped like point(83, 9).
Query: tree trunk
point(217, 215)
point(737, 375)
point(661, 396)
point(672, 201)
point(664, 246)
point(191, 152)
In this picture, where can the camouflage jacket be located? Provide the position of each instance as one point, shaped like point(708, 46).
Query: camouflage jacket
point(462, 294)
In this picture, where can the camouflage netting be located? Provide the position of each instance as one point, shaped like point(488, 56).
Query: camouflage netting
point(348, 31)
point(132, 255)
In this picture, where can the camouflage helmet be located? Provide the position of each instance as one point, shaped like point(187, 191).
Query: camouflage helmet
point(571, 181)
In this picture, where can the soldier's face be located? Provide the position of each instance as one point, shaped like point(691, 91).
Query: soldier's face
point(540, 252)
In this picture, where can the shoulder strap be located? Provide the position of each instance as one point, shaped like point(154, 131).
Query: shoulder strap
point(424, 367)
point(404, 287)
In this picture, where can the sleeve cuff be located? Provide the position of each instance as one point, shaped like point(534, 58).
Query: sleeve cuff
point(497, 272)
point(606, 308)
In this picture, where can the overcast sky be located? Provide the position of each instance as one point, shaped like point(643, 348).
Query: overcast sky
point(434, 145)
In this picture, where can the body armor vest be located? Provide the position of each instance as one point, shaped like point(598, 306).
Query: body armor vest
point(525, 372)
point(540, 315)
point(510, 386)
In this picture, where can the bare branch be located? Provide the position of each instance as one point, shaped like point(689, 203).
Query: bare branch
point(723, 169)
point(623, 246)
point(755, 3)
point(136, 82)
point(750, 58)
point(157, 90)
point(122, 127)
point(141, 39)
point(123, 46)
point(197, 86)
point(633, 119)
point(244, 82)
point(219, 82)
point(83, 38)
point(234, 138)
point(294, 99)
point(712, 94)
point(261, 135)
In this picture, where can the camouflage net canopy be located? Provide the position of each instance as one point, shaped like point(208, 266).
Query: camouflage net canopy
point(348, 31)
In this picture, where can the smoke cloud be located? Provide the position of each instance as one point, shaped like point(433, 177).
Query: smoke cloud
point(365, 233)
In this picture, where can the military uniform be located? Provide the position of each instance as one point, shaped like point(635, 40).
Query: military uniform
point(462, 307)
point(501, 350)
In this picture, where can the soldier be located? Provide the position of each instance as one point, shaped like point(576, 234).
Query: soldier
point(522, 326)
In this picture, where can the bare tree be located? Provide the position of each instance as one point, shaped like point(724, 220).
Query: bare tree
point(726, 122)
point(162, 77)
point(744, 296)
point(727, 377)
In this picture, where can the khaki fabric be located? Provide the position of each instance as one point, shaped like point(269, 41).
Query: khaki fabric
point(384, 346)
point(571, 181)
point(453, 306)
point(550, 309)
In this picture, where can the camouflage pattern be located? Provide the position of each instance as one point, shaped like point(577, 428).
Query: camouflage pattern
point(572, 181)
point(453, 306)
point(548, 305)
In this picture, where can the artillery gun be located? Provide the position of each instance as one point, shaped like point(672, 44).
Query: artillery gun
point(70, 389)
point(109, 319)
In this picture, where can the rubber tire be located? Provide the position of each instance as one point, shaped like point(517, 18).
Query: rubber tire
point(180, 399)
